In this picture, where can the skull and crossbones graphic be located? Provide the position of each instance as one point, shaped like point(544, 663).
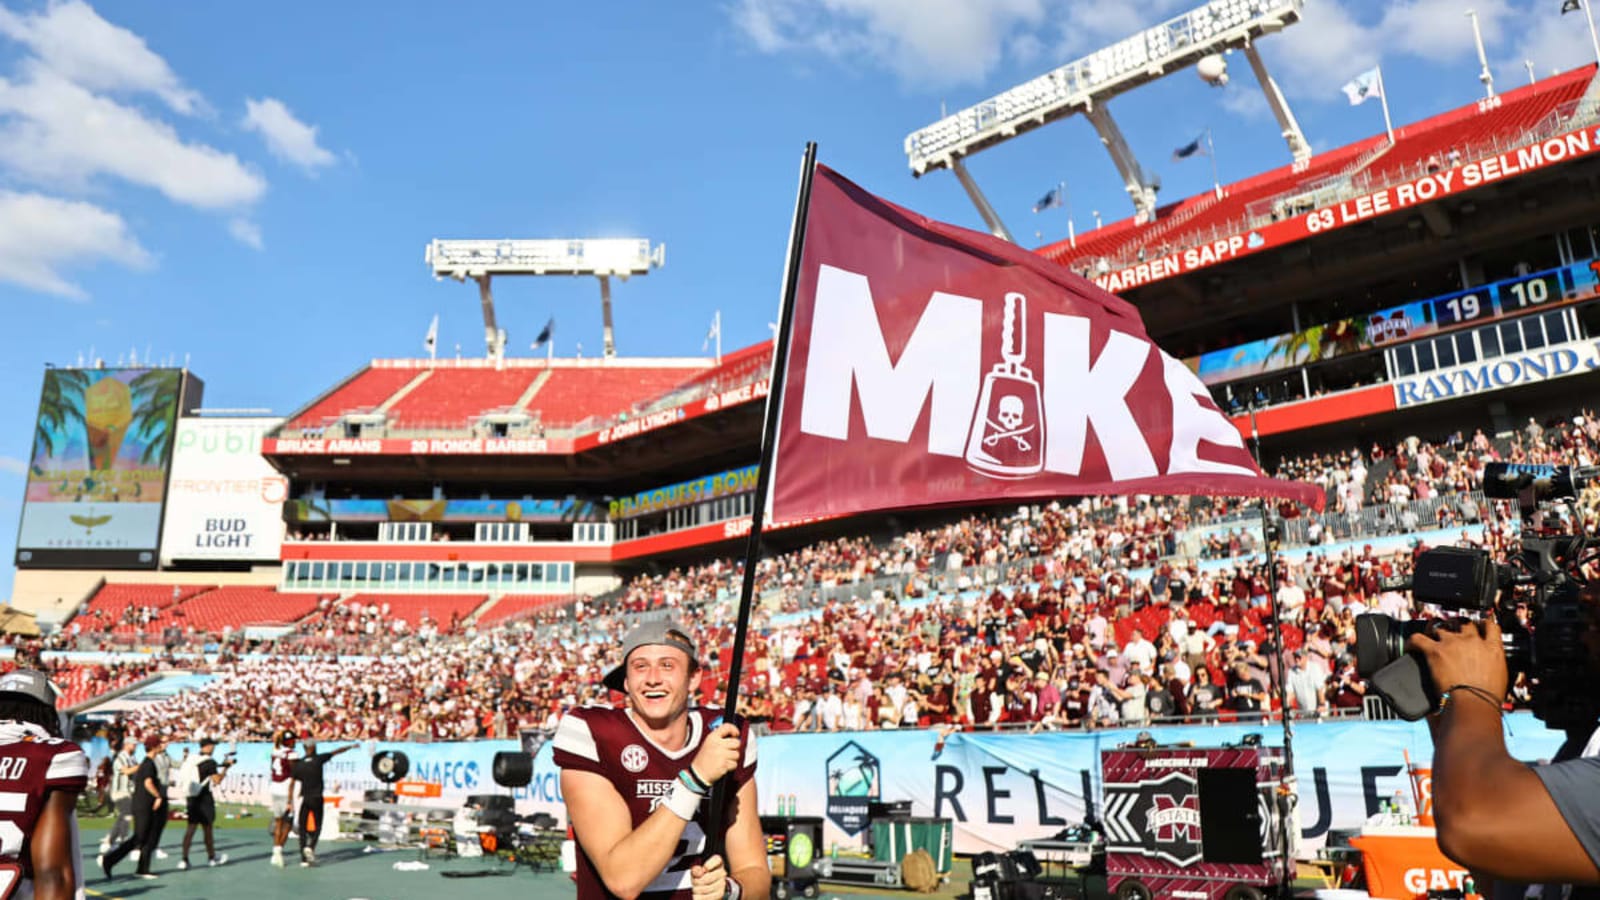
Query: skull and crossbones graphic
point(1009, 425)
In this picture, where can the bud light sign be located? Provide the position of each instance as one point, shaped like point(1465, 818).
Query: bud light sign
point(225, 502)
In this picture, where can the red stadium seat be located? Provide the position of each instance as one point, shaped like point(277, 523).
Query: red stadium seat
point(512, 606)
point(365, 390)
point(576, 393)
point(452, 398)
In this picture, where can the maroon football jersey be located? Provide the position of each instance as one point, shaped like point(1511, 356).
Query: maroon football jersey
point(32, 764)
point(283, 760)
point(608, 743)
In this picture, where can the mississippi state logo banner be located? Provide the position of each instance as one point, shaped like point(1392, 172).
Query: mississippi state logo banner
point(930, 364)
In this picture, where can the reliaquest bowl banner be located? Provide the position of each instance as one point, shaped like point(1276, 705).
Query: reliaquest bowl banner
point(997, 789)
point(98, 473)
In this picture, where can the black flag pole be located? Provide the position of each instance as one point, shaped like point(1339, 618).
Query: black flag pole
point(1271, 534)
point(717, 818)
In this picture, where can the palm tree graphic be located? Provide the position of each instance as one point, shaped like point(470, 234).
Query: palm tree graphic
point(155, 399)
point(857, 780)
point(60, 405)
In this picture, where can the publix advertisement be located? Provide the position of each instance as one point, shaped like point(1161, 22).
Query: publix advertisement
point(224, 502)
point(997, 788)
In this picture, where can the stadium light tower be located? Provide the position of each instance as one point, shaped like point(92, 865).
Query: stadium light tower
point(1085, 85)
point(602, 258)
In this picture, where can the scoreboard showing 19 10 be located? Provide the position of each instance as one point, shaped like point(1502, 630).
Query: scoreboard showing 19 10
point(1503, 298)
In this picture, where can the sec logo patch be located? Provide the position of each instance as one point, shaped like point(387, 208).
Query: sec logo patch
point(634, 758)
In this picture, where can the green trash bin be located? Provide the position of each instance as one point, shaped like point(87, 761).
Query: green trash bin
point(893, 838)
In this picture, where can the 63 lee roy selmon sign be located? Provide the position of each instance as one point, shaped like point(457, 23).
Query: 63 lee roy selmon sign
point(1560, 361)
point(1429, 187)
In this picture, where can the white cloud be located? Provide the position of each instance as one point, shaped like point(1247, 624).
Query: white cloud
point(55, 132)
point(72, 40)
point(287, 137)
point(1439, 30)
point(1333, 43)
point(247, 233)
point(40, 235)
point(1552, 42)
point(932, 42)
point(1327, 48)
point(937, 43)
point(75, 119)
point(10, 465)
point(1244, 100)
point(1088, 26)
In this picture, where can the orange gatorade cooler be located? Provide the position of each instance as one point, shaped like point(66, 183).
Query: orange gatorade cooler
point(1404, 862)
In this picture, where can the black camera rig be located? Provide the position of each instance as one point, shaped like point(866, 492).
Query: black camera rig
point(1545, 573)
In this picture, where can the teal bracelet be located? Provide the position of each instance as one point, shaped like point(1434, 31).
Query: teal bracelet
point(687, 781)
point(695, 780)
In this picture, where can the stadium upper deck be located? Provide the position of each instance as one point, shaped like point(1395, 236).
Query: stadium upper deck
point(1185, 235)
point(412, 396)
point(1324, 295)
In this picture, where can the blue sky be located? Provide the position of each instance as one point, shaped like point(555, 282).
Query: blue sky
point(250, 186)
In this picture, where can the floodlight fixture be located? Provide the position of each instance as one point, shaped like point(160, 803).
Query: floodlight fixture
point(603, 258)
point(1085, 85)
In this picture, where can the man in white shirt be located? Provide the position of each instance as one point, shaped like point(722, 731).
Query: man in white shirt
point(1291, 599)
point(1141, 652)
point(832, 711)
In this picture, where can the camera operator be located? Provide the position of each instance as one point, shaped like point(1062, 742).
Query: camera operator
point(1495, 815)
point(202, 805)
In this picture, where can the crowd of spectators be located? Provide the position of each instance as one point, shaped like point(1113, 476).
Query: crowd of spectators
point(1086, 614)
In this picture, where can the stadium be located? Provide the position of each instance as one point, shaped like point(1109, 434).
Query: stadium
point(440, 557)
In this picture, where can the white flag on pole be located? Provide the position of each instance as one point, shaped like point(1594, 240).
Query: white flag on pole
point(714, 333)
point(1364, 86)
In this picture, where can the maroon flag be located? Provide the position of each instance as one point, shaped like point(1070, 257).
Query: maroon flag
point(932, 365)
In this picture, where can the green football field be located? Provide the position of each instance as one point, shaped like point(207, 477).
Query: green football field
point(345, 870)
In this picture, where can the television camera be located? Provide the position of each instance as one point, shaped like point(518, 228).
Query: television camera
point(1545, 574)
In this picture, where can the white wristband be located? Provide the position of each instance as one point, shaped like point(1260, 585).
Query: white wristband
point(683, 801)
point(734, 890)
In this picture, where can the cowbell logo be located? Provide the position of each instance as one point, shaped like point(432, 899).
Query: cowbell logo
point(854, 780)
point(1007, 435)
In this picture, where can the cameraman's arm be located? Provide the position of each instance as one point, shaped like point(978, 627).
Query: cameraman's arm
point(1477, 786)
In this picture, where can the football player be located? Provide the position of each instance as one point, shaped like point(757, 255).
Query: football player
point(41, 776)
point(636, 782)
point(282, 793)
